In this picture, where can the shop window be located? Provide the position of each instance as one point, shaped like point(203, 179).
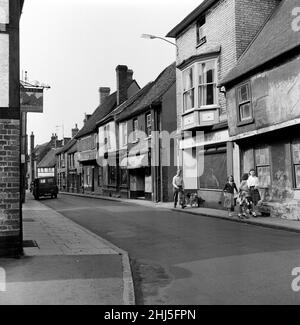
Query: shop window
point(244, 104)
point(87, 176)
point(215, 169)
point(112, 175)
point(148, 124)
point(296, 163)
point(188, 89)
point(207, 83)
point(100, 176)
point(124, 176)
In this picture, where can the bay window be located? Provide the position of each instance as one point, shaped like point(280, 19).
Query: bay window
point(207, 84)
point(188, 89)
point(202, 76)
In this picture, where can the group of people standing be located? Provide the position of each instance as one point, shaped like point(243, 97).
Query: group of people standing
point(247, 196)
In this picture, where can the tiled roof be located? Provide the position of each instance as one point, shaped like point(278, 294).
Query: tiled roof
point(41, 150)
point(190, 18)
point(150, 94)
point(275, 39)
point(133, 99)
point(49, 160)
point(73, 148)
point(100, 112)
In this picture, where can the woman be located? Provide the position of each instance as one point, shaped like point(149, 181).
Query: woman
point(228, 190)
point(253, 185)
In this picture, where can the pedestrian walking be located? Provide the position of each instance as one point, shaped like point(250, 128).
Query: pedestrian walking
point(253, 184)
point(244, 199)
point(178, 188)
point(228, 190)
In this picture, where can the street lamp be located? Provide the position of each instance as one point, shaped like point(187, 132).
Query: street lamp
point(149, 36)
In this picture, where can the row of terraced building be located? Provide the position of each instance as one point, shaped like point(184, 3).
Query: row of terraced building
point(236, 82)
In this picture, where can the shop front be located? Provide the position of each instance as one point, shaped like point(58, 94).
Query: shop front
point(206, 163)
point(276, 159)
point(140, 180)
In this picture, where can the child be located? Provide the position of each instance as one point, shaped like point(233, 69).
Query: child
point(245, 202)
point(228, 190)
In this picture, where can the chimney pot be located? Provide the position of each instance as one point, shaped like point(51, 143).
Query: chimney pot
point(129, 76)
point(75, 131)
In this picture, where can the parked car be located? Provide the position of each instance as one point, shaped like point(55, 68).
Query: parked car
point(45, 186)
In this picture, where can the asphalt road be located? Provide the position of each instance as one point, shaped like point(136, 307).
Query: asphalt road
point(179, 258)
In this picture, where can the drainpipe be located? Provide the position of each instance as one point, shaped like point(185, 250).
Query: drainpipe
point(157, 156)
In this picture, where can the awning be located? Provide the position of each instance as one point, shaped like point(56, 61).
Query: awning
point(135, 162)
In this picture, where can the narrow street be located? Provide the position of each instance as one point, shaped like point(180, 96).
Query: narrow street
point(179, 258)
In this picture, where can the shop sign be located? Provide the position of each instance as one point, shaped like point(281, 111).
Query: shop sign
point(209, 138)
point(87, 155)
point(32, 100)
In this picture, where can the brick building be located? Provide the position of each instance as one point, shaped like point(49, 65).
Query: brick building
point(263, 99)
point(93, 180)
point(68, 172)
point(210, 41)
point(42, 157)
point(10, 129)
point(146, 124)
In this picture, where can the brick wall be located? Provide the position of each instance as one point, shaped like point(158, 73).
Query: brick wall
point(232, 24)
point(219, 30)
point(251, 15)
point(9, 178)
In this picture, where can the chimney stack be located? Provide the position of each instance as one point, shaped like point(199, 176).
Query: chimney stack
point(86, 117)
point(122, 83)
point(104, 92)
point(129, 76)
point(75, 131)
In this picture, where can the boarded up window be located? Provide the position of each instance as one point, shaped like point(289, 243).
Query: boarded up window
point(215, 169)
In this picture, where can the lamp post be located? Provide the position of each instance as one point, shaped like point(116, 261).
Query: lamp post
point(149, 36)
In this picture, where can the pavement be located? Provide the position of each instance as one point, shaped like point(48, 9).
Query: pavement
point(269, 222)
point(69, 265)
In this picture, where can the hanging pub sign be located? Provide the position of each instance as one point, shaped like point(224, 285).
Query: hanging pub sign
point(32, 99)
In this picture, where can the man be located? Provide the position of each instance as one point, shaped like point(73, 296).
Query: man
point(178, 187)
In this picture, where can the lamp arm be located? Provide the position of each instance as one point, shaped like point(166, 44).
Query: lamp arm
point(166, 40)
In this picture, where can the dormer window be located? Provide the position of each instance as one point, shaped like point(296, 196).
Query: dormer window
point(201, 38)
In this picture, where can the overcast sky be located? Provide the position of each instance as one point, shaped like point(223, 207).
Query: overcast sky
point(75, 46)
